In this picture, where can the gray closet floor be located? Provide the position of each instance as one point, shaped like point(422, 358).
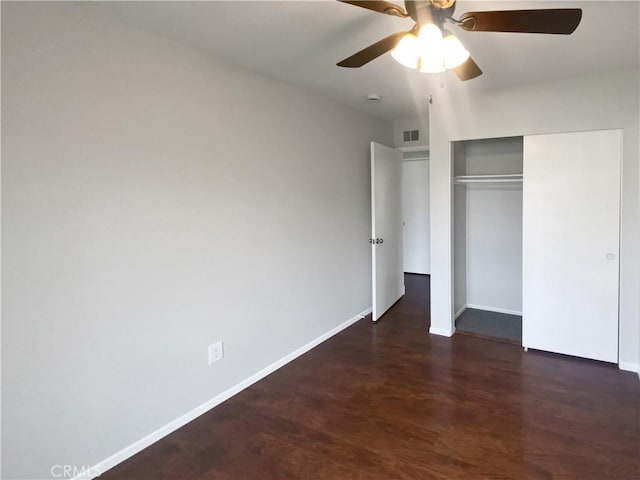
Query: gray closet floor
point(490, 324)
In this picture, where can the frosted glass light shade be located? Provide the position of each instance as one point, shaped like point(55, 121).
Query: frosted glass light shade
point(430, 35)
point(407, 52)
point(453, 51)
point(429, 51)
point(431, 60)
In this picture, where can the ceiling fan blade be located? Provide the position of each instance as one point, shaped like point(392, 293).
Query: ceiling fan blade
point(562, 21)
point(468, 70)
point(380, 7)
point(372, 52)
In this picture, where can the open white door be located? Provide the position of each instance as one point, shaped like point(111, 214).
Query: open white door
point(571, 225)
point(386, 228)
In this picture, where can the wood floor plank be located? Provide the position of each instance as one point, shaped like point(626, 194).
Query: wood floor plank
point(389, 401)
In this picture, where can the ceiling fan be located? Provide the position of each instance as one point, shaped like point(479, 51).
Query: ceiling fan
point(431, 48)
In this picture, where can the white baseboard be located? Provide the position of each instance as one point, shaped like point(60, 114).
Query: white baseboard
point(460, 312)
point(493, 309)
point(442, 331)
point(629, 367)
point(153, 437)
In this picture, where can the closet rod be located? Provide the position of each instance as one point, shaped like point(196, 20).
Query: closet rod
point(502, 178)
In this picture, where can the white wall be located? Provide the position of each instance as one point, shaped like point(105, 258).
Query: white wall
point(460, 248)
point(415, 210)
point(420, 123)
point(155, 201)
point(590, 103)
point(494, 247)
point(493, 156)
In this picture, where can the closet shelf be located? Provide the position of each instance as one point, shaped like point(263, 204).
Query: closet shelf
point(502, 178)
point(415, 148)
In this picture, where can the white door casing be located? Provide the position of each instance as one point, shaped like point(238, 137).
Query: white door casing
point(571, 231)
point(386, 228)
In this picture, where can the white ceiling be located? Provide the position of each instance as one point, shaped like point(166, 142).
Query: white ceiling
point(301, 41)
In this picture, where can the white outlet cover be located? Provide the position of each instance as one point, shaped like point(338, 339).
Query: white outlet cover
point(216, 352)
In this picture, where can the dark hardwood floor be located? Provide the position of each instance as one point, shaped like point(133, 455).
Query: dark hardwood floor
point(389, 401)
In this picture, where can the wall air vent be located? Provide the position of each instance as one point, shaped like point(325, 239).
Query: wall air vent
point(410, 135)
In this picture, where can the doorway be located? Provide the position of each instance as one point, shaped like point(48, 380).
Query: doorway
point(415, 212)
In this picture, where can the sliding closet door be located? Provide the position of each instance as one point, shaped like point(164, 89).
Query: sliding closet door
point(571, 224)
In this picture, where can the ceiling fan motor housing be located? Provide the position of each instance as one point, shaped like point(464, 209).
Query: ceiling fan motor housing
point(443, 3)
point(430, 11)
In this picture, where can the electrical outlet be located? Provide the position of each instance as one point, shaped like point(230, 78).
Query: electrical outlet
point(216, 353)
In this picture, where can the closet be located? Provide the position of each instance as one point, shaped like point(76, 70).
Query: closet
point(536, 240)
point(488, 237)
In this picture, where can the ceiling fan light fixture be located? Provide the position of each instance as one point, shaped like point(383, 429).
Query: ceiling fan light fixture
point(430, 35)
point(425, 48)
point(431, 61)
point(453, 51)
point(407, 52)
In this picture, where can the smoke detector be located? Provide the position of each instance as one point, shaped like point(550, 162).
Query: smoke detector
point(373, 97)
